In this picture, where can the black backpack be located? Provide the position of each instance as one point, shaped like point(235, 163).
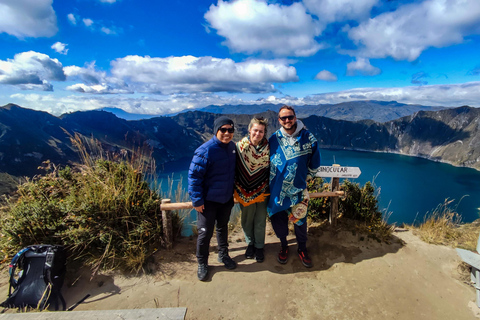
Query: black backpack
point(40, 280)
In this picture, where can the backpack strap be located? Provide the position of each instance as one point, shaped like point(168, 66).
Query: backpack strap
point(47, 271)
point(13, 266)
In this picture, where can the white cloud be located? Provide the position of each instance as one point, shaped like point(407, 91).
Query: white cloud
point(89, 74)
point(87, 22)
point(405, 33)
point(60, 47)
point(326, 75)
point(189, 74)
point(362, 66)
point(31, 70)
point(429, 95)
point(252, 26)
point(71, 17)
point(56, 105)
point(340, 10)
point(144, 105)
point(107, 30)
point(96, 88)
point(95, 26)
point(94, 81)
point(28, 18)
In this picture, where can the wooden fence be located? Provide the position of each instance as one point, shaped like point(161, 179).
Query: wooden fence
point(166, 207)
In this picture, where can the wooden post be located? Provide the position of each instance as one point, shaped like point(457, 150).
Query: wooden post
point(334, 200)
point(167, 226)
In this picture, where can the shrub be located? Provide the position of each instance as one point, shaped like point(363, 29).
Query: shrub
point(103, 211)
point(360, 204)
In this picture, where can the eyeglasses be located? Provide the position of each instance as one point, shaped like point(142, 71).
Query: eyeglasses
point(287, 117)
point(230, 130)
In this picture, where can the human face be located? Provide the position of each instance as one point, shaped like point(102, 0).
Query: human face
point(257, 132)
point(225, 137)
point(288, 125)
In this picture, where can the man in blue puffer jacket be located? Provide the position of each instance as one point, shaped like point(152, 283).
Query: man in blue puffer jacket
point(210, 186)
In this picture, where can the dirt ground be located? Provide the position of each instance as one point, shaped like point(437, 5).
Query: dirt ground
point(353, 277)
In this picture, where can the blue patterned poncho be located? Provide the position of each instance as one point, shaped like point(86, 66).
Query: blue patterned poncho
point(292, 159)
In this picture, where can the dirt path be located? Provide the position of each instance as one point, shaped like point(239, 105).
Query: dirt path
point(351, 279)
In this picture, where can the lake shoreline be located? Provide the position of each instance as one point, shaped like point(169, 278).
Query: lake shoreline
point(403, 154)
point(408, 186)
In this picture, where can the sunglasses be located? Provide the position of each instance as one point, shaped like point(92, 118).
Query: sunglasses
point(230, 130)
point(286, 117)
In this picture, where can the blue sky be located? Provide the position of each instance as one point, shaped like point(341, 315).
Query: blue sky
point(158, 57)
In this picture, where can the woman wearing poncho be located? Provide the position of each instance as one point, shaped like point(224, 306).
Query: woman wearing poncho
point(251, 186)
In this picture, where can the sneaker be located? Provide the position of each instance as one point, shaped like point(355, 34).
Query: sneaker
point(307, 262)
point(250, 253)
point(283, 255)
point(202, 272)
point(227, 261)
point(259, 256)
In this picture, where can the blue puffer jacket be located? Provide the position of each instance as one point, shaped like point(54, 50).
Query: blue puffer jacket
point(211, 173)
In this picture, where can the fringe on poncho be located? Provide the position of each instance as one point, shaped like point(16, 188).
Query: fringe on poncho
point(252, 172)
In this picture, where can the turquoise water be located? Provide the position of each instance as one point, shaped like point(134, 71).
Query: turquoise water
point(408, 187)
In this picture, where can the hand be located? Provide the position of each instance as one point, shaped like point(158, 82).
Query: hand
point(199, 208)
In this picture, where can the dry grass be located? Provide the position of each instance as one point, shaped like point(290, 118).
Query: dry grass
point(443, 226)
point(103, 210)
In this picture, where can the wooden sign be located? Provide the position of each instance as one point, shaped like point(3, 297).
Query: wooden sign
point(338, 172)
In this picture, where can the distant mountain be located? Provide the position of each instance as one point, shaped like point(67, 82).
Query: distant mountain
point(126, 115)
point(28, 137)
point(167, 139)
point(379, 111)
point(451, 135)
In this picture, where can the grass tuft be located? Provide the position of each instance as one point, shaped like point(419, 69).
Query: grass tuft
point(443, 226)
point(103, 210)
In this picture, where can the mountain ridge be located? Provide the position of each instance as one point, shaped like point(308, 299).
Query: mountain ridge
point(29, 137)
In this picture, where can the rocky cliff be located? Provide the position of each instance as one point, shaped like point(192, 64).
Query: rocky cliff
point(450, 135)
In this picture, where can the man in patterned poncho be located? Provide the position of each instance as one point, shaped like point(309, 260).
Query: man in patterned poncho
point(294, 158)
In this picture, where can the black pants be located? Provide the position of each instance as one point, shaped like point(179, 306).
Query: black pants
point(280, 226)
point(218, 213)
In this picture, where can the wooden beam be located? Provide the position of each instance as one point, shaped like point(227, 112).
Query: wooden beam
point(188, 205)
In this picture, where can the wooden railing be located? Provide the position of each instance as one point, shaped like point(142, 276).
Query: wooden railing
point(166, 207)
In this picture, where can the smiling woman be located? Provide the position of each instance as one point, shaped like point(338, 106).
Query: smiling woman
point(251, 186)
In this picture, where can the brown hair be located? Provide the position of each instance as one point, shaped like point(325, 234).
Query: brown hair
point(288, 108)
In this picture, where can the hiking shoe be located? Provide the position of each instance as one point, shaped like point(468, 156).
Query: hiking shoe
point(303, 254)
point(250, 253)
point(283, 255)
point(202, 272)
point(259, 256)
point(227, 261)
